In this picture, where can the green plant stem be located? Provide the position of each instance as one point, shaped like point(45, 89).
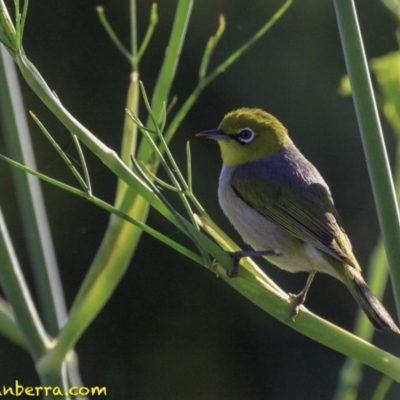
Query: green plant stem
point(87, 184)
point(168, 70)
point(372, 137)
point(129, 134)
point(113, 36)
point(149, 33)
point(211, 45)
point(134, 41)
point(30, 199)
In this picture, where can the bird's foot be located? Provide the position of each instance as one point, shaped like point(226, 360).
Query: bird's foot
point(238, 255)
point(297, 301)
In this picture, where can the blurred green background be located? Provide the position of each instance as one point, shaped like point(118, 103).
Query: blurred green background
point(172, 330)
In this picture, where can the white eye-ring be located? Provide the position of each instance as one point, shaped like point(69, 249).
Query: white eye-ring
point(245, 135)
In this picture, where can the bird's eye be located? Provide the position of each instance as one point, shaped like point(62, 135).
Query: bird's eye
point(245, 135)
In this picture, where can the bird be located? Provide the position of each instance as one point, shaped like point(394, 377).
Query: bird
point(281, 206)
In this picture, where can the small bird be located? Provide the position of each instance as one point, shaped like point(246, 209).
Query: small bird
point(282, 207)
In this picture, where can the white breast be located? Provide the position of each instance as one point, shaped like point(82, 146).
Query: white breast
point(256, 230)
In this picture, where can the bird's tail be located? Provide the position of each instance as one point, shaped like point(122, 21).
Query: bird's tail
point(375, 311)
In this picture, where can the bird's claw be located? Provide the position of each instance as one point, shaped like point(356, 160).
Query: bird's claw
point(234, 272)
point(297, 301)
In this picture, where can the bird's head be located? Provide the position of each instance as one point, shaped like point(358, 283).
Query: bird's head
point(248, 134)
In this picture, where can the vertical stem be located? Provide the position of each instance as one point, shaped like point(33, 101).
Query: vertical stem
point(134, 40)
point(129, 134)
point(167, 74)
point(30, 198)
point(372, 137)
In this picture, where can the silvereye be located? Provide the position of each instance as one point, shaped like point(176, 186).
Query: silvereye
point(282, 207)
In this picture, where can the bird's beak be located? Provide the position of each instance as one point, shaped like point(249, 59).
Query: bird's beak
point(215, 134)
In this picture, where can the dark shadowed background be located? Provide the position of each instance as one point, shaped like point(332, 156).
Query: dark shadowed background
point(172, 330)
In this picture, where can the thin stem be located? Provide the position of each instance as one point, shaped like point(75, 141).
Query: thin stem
point(134, 41)
point(129, 134)
point(88, 185)
point(164, 147)
point(159, 181)
point(157, 152)
point(211, 45)
point(111, 33)
point(149, 33)
point(61, 153)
